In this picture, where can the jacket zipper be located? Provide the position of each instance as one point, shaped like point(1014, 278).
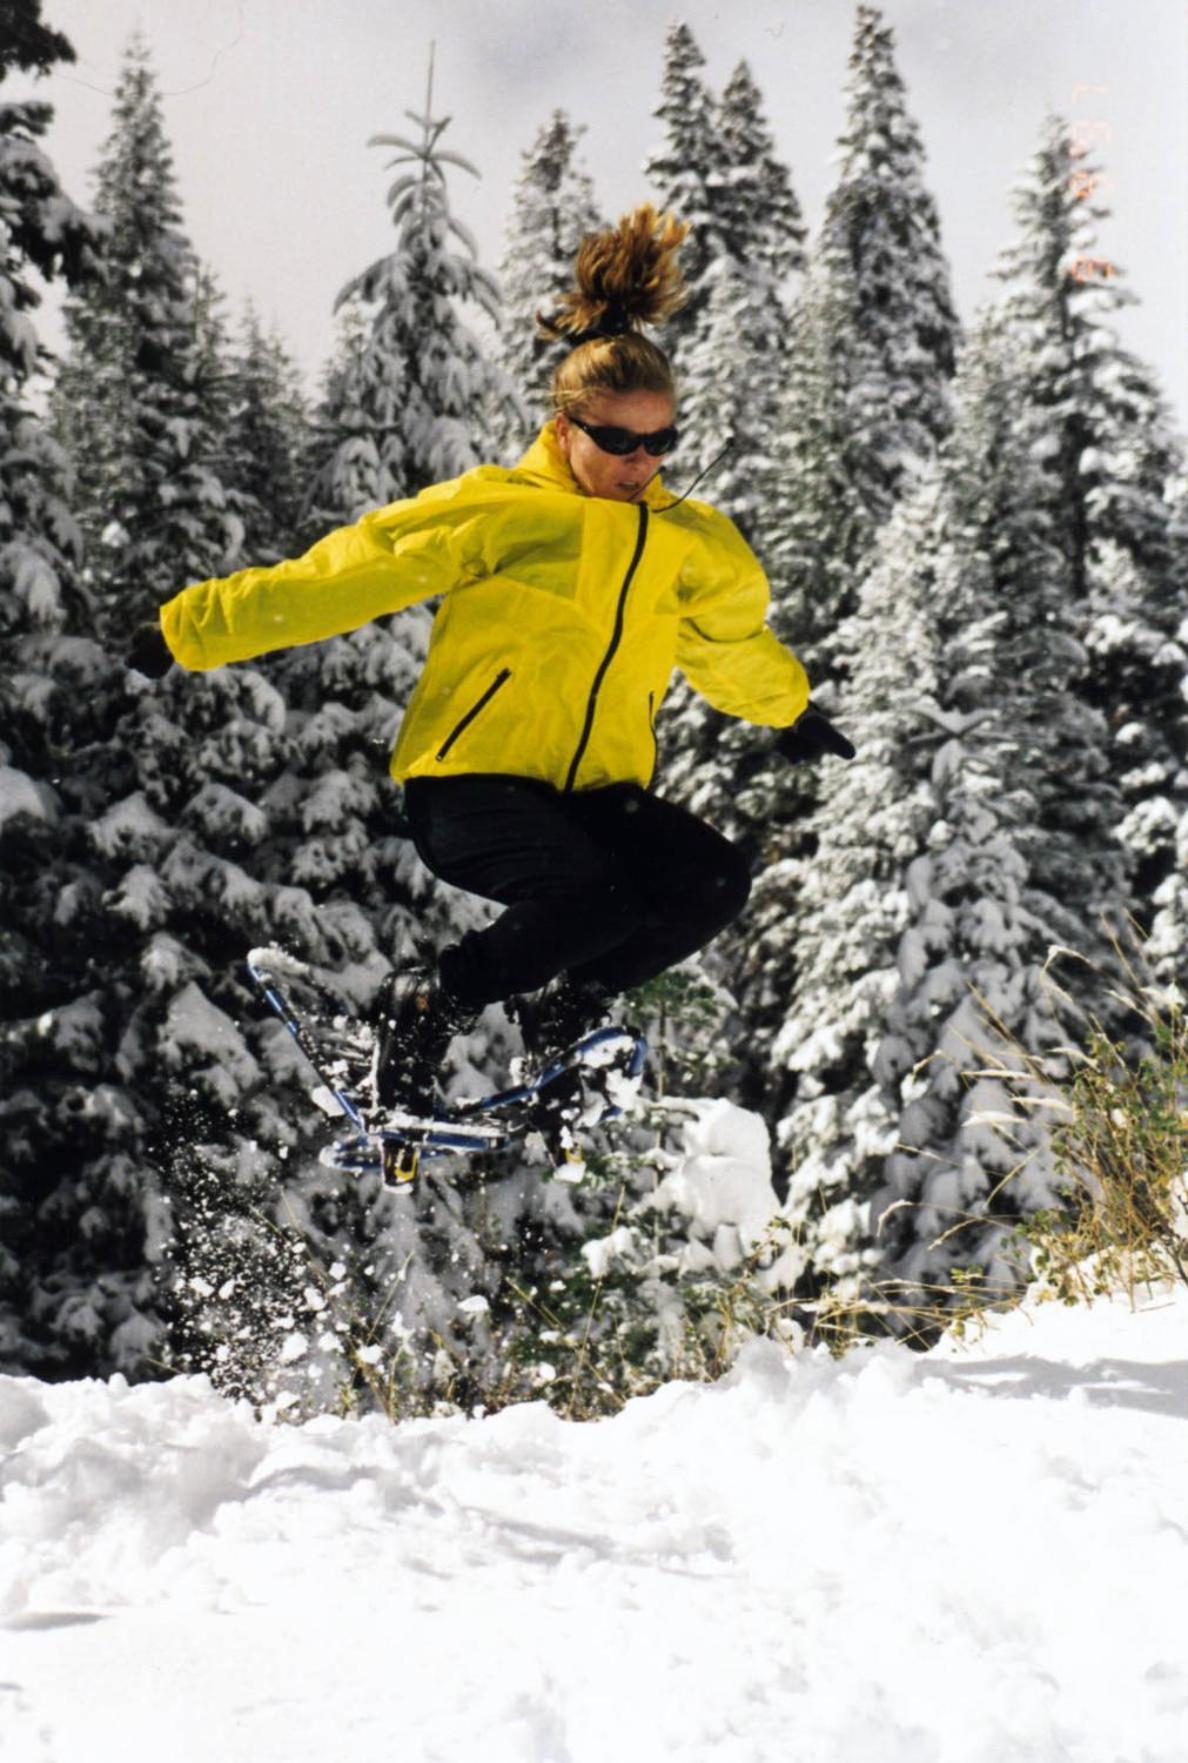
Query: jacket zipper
point(652, 728)
point(464, 723)
point(616, 639)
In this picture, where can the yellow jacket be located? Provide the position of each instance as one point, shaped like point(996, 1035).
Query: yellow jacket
point(562, 617)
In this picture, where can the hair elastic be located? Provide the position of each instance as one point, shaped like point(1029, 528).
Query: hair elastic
point(613, 323)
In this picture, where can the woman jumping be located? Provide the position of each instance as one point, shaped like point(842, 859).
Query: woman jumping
point(571, 587)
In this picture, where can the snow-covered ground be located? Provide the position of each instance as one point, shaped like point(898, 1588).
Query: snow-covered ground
point(971, 1557)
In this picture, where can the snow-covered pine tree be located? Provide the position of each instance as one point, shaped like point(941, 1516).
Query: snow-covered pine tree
point(1110, 464)
point(819, 973)
point(71, 1213)
point(340, 456)
point(135, 400)
point(735, 363)
point(215, 372)
point(138, 1089)
point(872, 346)
point(735, 336)
point(877, 334)
point(266, 442)
point(133, 919)
point(42, 233)
point(687, 174)
point(977, 1022)
point(759, 214)
point(422, 383)
point(553, 208)
point(868, 401)
point(881, 239)
point(906, 1175)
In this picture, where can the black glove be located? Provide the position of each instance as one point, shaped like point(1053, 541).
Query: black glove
point(150, 654)
point(810, 737)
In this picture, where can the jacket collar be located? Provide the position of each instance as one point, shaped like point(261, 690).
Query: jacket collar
point(545, 465)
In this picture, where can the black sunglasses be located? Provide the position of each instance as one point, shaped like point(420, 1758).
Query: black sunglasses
point(622, 441)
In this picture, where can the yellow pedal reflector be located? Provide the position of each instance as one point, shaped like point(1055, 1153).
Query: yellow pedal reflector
point(401, 1163)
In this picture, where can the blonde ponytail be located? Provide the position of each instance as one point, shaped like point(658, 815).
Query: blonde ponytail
point(627, 276)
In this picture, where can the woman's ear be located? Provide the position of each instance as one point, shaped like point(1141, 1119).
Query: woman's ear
point(563, 431)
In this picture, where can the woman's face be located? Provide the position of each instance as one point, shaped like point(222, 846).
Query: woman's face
point(621, 477)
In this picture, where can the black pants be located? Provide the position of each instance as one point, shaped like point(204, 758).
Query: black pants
point(609, 885)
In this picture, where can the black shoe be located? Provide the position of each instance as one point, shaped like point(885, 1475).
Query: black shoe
point(560, 1015)
point(415, 1020)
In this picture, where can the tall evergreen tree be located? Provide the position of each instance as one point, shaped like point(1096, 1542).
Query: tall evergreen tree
point(136, 915)
point(904, 1167)
point(759, 214)
point(1110, 463)
point(41, 232)
point(736, 342)
point(1000, 882)
point(265, 447)
point(71, 1258)
point(339, 462)
point(877, 334)
point(423, 387)
point(553, 209)
point(735, 362)
point(819, 972)
point(136, 399)
point(881, 237)
point(687, 173)
point(871, 351)
point(867, 403)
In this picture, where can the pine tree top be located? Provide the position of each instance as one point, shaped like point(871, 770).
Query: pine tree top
point(420, 209)
point(136, 160)
point(411, 394)
point(691, 157)
point(760, 216)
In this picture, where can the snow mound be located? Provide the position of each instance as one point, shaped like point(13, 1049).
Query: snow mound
point(724, 1175)
point(963, 1557)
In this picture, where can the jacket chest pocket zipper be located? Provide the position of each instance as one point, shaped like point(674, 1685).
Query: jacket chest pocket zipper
point(464, 722)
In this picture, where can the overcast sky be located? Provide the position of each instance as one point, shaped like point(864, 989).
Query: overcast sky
point(269, 105)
